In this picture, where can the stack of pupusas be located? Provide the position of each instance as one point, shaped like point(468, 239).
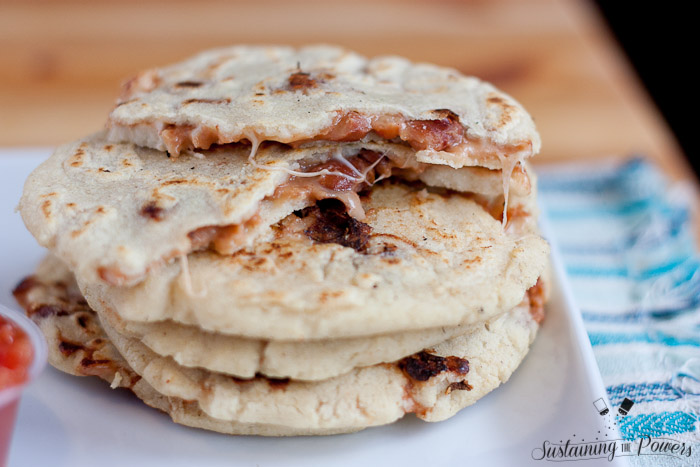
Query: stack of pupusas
point(279, 241)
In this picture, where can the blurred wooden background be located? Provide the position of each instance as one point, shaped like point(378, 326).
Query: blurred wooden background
point(62, 61)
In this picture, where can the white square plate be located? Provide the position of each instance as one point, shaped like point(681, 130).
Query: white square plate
point(69, 421)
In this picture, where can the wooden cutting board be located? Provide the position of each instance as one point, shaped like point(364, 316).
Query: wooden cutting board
point(62, 62)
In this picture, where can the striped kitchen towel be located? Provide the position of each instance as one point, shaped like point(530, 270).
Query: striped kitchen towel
point(628, 246)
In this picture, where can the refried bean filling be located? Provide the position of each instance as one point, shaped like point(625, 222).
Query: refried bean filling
point(444, 133)
point(342, 179)
point(359, 172)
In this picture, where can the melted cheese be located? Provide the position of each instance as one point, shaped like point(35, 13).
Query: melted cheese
point(187, 278)
point(314, 185)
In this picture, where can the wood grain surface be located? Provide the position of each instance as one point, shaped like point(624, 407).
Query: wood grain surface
point(62, 62)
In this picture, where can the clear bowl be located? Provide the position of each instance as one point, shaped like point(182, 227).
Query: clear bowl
point(9, 397)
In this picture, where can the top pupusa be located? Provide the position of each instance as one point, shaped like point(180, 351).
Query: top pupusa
point(322, 93)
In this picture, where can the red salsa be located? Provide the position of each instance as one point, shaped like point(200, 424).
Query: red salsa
point(15, 354)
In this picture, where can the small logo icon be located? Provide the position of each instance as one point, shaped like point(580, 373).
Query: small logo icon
point(625, 406)
point(601, 406)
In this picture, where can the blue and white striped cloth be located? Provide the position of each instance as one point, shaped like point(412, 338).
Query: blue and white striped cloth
point(627, 242)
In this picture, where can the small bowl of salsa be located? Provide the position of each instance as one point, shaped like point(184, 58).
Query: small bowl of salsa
point(22, 357)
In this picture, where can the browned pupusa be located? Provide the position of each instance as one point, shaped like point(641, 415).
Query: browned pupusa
point(441, 379)
point(275, 241)
point(114, 212)
point(321, 93)
point(420, 266)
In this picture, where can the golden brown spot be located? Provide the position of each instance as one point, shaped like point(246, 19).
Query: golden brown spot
point(178, 181)
point(256, 264)
point(108, 147)
point(507, 110)
point(329, 294)
point(143, 82)
point(188, 84)
point(157, 195)
point(495, 100)
point(301, 81)
point(46, 208)
point(77, 159)
point(470, 261)
point(207, 101)
point(397, 238)
point(441, 234)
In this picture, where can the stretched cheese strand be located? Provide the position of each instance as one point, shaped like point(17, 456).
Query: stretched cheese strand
point(255, 143)
point(187, 278)
point(348, 197)
point(508, 165)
